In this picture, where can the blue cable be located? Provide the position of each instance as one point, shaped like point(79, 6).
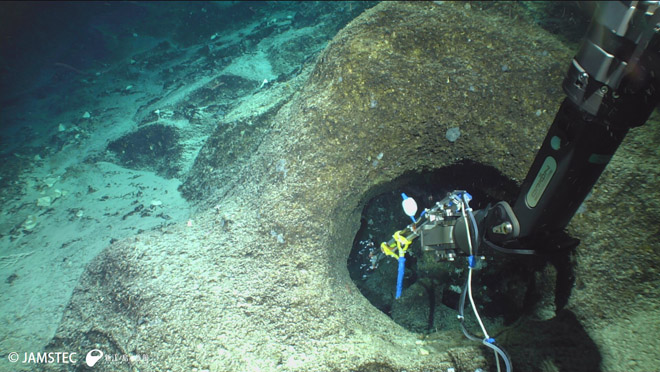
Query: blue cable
point(399, 277)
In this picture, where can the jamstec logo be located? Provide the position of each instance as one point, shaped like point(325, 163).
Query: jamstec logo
point(92, 357)
point(47, 358)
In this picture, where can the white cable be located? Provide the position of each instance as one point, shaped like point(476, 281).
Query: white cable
point(474, 307)
point(467, 227)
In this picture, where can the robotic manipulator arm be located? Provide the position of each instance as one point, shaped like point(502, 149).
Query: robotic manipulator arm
point(612, 85)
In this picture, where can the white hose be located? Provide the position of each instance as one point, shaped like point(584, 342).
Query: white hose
point(474, 307)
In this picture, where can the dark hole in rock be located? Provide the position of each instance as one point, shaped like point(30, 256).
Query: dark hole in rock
point(504, 288)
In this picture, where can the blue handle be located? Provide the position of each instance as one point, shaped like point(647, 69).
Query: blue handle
point(399, 277)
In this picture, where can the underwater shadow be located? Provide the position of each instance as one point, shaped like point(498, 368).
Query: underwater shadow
point(559, 344)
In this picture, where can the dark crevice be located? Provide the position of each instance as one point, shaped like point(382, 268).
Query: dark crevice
point(506, 288)
point(521, 299)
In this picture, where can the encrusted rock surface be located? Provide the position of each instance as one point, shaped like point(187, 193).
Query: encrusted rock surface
point(258, 280)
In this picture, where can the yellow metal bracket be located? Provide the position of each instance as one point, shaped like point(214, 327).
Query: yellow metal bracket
point(401, 243)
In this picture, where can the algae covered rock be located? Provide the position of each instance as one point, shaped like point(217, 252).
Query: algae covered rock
point(258, 280)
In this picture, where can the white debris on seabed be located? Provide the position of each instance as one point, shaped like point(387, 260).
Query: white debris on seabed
point(44, 201)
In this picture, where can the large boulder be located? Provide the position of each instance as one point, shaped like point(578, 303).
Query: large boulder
point(257, 280)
